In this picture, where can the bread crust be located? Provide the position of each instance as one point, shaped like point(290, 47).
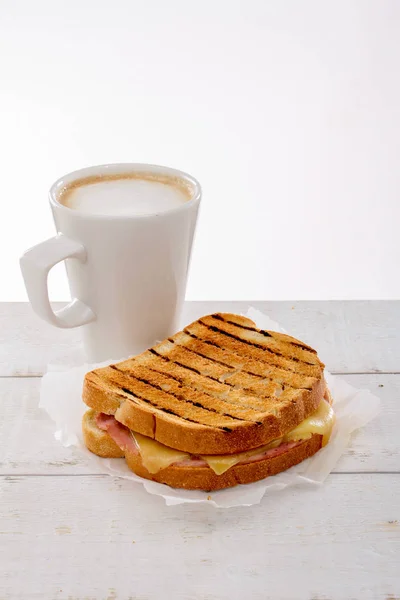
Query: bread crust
point(197, 477)
point(98, 441)
point(204, 478)
point(110, 398)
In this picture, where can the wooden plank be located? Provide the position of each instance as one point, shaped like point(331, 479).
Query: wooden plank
point(355, 336)
point(27, 444)
point(70, 538)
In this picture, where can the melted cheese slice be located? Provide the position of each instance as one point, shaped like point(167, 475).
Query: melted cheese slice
point(221, 463)
point(321, 422)
point(156, 456)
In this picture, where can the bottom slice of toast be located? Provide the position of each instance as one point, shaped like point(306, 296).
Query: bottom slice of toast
point(194, 476)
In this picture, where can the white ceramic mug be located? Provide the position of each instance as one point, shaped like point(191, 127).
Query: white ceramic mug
point(127, 274)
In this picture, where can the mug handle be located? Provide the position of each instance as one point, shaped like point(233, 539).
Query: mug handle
point(35, 265)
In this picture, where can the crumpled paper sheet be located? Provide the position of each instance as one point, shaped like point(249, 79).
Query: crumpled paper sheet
point(60, 397)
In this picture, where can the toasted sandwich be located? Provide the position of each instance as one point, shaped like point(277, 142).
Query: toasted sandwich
point(218, 404)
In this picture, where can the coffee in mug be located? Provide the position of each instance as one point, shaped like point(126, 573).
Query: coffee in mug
point(143, 193)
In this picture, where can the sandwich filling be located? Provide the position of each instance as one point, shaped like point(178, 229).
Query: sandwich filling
point(156, 456)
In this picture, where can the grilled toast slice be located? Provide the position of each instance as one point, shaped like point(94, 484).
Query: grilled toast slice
point(220, 386)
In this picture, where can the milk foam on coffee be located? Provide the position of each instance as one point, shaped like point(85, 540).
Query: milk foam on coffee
point(130, 194)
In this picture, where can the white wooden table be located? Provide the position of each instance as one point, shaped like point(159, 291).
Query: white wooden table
point(66, 533)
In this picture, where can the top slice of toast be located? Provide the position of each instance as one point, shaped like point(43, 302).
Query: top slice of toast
point(220, 386)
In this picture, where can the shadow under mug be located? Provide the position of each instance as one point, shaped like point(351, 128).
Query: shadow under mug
point(127, 274)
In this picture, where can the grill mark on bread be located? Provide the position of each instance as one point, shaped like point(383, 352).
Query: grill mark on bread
point(178, 379)
point(260, 346)
point(235, 398)
point(268, 353)
point(253, 405)
point(204, 341)
point(262, 331)
point(182, 381)
point(284, 344)
point(176, 362)
point(286, 347)
point(184, 399)
point(215, 345)
point(269, 372)
point(247, 389)
point(181, 397)
point(168, 359)
point(293, 343)
point(180, 354)
point(160, 408)
point(273, 366)
point(248, 342)
point(220, 362)
point(266, 333)
point(195, 337)
point(246, 401)
point(169, 411)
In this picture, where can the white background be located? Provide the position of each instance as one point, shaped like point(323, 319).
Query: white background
point(287, 111)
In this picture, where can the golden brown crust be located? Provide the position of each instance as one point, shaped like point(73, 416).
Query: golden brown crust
point(98, 441)
point(191, 394)
point(203, 477)
point(200, 439)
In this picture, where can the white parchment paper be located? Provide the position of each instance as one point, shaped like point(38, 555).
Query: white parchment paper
point(60, 397)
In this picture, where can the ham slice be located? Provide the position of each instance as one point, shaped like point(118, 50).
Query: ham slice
point(122, 436)
point(271, 453)
point(119, 433)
